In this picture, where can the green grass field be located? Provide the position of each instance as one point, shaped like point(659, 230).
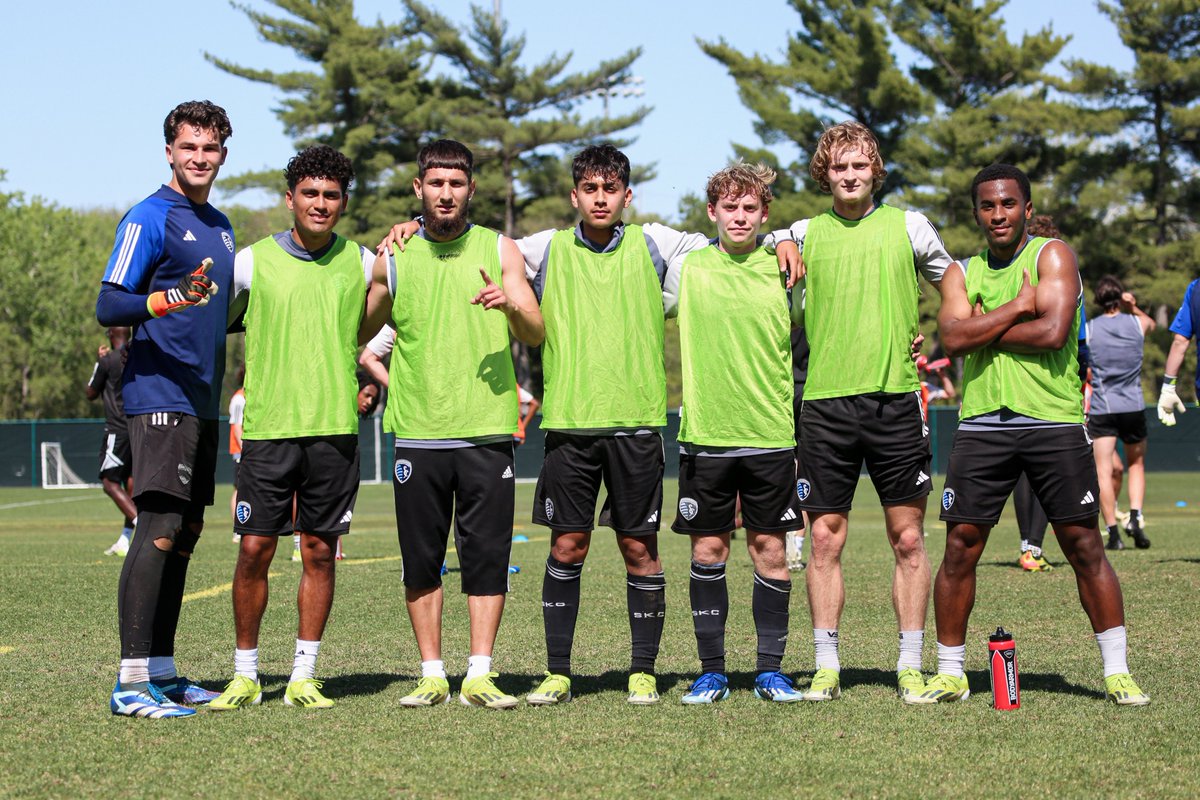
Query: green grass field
point(58, 656)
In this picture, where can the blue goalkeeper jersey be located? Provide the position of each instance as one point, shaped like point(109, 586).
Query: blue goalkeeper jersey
point(176, 362)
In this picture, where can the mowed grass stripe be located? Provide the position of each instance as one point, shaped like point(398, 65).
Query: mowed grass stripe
point(59, 740)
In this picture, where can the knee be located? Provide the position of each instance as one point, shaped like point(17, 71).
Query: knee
point(709, 550)
point(910, 545)
point(319, 553)
point(638, 554)
point(570, 548)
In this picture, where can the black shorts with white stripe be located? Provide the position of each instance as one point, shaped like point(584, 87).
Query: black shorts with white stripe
point(710, 485)
point(838, 435)
point(985, 465)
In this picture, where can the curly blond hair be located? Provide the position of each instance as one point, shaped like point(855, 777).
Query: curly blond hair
point(741, 179)
point(849, 135)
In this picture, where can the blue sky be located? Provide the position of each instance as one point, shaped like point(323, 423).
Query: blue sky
point(89, 83)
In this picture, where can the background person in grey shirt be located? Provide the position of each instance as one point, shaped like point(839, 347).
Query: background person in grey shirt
point(1116, 340)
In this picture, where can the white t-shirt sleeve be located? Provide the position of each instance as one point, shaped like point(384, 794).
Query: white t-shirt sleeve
point(383, 342)
point(673, 246)
point(243, 272)
point(929, 253)
point(795, 233)
point(534, 249)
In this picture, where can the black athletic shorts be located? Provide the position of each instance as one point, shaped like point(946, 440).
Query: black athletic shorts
point(887, 432)
point(320, 472)
point(631, 468)
point(709, 487)
point(985, 465)
point(475, 486)
point(175, 454)
point(1129, 426)
point(116, 457)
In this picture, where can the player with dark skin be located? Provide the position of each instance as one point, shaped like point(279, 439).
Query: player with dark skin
point(1038, 319)
point(118, 337)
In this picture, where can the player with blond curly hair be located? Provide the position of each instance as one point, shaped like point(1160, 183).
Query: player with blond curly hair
point(861, 400)
point(736, 429)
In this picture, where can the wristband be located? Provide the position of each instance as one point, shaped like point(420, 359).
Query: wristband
point(1169, 380)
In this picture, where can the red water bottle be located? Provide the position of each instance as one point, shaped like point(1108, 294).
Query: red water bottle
point(1002, 660)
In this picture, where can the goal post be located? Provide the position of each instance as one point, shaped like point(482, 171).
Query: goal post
point(57, 473)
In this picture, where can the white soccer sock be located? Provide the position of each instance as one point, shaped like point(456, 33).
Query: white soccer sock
point(1112, 650)
point(478, 665)
point(245, 662)
point(126, 535)
point(305, 663)
point(295, 541)
point(134, 670)
point(434, 668)
point(950, 659)
point(911, 643)
point(162, 667)
point(825, 647)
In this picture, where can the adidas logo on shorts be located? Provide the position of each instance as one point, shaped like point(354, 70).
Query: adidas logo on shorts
point(653, 517)
point(346, 517)
point(921, 478)
point(1087, 498)
point(788, 516)
point(508, 473)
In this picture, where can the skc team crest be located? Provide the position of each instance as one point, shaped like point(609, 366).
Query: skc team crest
point(688, 508)
point(803, 489)
point(228, 240)
point(242, 511)
point(947, 499)
point(404, 470)
point(549, 509)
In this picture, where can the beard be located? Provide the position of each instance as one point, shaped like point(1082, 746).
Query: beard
point(446, 227)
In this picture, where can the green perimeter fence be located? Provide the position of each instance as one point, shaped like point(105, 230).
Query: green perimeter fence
point(28, 446)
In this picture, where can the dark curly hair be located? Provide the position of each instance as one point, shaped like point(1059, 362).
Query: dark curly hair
point(600, 161)
point(320, 161)
point(1001, 172)
point(202, 114)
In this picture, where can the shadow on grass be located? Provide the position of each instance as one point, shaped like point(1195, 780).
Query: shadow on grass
point(1177, 561)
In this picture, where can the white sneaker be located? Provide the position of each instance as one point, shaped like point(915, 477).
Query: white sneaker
point(795, 546)
point(119, 548)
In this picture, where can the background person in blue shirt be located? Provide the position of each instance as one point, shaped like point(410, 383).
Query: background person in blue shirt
point(1184, 328)
point(172, 253)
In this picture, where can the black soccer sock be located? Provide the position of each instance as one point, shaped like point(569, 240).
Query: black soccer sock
point(1114, 531)
point(170, 602)
point(138, 592)
point(770, 603)
point(560, 609)
point(646, 600)
point(710, 606)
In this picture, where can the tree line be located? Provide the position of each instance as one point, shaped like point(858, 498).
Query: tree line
point(1114, 155)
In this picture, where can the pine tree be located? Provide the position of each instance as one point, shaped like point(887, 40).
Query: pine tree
point(370, 96)
point(518, 119)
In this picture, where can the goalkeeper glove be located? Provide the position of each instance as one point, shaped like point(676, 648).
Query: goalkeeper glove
point(1168, 404)
point(192, 290)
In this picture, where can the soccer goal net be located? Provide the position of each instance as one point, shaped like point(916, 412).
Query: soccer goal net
point(56, 473)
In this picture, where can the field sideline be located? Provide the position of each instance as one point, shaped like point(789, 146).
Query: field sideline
point(58, 655)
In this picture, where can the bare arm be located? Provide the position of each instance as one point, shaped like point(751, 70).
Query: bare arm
point(379, 302)
point(373, 364)
point(1179, 346)
point(1129, 306)
point(1057, 304)
point(964, 327)
point(516, 298)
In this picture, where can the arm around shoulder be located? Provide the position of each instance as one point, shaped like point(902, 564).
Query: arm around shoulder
point(524, 316)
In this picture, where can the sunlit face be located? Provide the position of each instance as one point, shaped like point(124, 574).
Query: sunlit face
point(316, 205)
point(601, 200)
point(850, 176)
point(445, 195)
point(738, 221)
point(195, 157)
point(1000, 212)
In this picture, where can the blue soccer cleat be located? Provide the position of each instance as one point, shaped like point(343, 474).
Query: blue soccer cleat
point(711, 687)
point(776, 687)
point(144, 700)
point(183, 691)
